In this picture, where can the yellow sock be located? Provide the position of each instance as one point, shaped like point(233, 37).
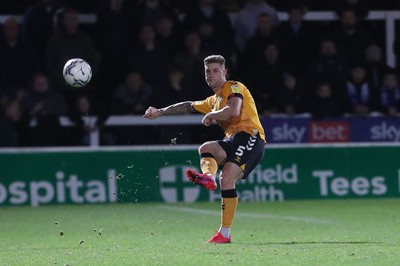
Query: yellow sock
point(229, 205)
point(208, 164)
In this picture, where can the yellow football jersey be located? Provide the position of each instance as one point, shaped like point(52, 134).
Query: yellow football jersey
point(248, 119)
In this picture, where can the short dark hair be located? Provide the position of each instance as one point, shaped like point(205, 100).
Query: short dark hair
point(219, 59)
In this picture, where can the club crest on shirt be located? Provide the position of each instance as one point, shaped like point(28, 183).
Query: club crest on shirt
point(216, 102)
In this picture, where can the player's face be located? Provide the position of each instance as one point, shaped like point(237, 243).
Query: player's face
point(215, 75)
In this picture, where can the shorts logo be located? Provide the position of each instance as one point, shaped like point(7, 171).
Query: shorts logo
point(250, 143)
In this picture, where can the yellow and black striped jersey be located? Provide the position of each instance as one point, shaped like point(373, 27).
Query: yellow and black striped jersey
point(248, 119)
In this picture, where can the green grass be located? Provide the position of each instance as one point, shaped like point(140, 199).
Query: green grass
point(351, 232)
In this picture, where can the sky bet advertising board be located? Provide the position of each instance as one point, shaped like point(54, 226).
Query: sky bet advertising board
point(158, 175)
point(352, 129)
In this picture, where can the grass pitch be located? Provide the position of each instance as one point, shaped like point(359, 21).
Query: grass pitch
point(351, 232)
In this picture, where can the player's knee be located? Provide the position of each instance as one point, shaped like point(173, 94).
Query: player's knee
point(206, 147)
point(227, 182)
point(231, 173)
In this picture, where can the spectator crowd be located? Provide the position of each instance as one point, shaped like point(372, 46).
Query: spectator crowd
point(150, 52)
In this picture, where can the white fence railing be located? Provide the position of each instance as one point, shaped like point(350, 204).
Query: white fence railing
point(127, 120)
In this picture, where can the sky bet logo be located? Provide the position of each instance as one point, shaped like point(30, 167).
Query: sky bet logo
point(288, 133)
point(328, 131)
point(386, 132)
point(175, 186)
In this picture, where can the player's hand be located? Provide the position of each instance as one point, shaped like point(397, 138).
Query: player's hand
point(152, 113)
point(207, 120)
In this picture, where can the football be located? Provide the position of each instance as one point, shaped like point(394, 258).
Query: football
point(77, 72)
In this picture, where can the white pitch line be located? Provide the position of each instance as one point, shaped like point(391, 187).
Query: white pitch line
point(249, 215)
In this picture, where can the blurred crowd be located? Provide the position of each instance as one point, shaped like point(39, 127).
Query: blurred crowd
point(150, 52)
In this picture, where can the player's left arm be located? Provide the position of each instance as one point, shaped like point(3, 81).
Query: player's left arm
point(230, 111)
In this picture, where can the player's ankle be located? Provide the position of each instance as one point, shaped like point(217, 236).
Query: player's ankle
point(210, 175)
point(225, 231)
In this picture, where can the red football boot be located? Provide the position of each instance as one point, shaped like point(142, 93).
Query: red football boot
point(218, 238)
point(205, 180)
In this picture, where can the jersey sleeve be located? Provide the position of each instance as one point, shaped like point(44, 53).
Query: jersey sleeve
point(235, 89)
point(204, 106)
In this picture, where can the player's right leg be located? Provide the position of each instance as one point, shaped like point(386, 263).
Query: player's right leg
point(211, 154)
point(205, 180)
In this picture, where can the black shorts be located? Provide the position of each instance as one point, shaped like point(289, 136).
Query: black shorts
point(244, 150)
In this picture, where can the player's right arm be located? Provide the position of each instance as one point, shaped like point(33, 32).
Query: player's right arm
point(174, 109)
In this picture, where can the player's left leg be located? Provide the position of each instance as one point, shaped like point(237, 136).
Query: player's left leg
point(244, 152)
point(231, 173)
